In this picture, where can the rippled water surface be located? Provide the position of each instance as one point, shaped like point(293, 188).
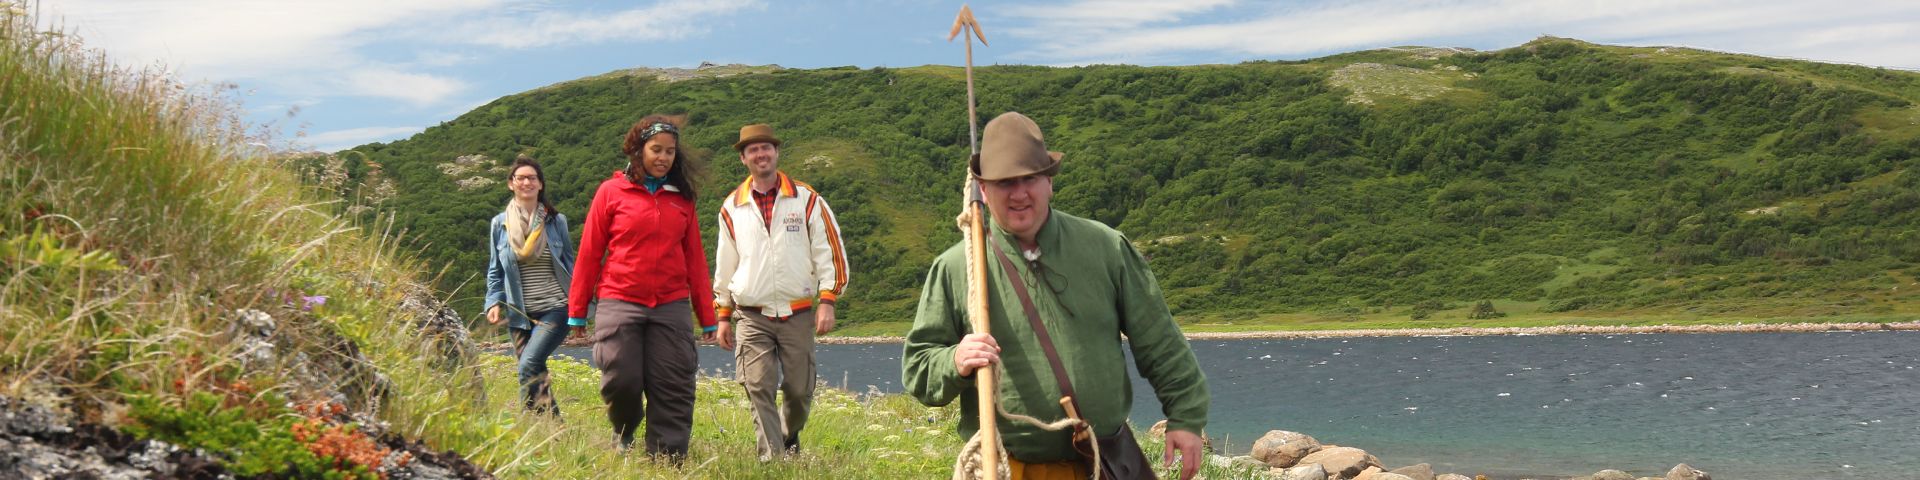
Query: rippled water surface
point(1740, 406)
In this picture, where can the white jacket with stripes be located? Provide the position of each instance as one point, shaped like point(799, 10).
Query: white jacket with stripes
point(780, 265)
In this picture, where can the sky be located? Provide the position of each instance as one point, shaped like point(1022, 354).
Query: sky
point(329, 75)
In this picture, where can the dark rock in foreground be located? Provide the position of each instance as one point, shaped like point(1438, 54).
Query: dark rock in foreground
point(37, 442)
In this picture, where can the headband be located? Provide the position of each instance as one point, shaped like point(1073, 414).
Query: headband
point(656, 128)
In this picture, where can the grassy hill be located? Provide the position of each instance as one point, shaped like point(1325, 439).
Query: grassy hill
point(162, 280)
point(1564, 181)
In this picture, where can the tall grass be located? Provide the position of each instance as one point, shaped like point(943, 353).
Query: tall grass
point(139, 214)
point(185, 220)
point(130, 166)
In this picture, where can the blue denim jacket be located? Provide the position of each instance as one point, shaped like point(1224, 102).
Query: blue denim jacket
point(503, 271)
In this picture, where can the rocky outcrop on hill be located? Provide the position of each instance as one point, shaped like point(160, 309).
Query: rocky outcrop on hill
point(444, 339)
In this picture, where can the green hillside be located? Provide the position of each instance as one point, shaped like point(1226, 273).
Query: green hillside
point(177, 304)
point(1563, 180)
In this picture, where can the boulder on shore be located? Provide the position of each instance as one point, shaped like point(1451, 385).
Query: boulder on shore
point(1416, 472)
point(1684, 472)
point(1282, 449)
point(1374, 473)
point(1311, 471)
point(1610, 474)
point(1343, 462)
point(1369, 473)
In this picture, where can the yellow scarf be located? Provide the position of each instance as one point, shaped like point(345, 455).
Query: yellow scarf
point(524, 231)
point(528, 249)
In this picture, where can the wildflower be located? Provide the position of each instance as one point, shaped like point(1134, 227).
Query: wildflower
point(307, 303)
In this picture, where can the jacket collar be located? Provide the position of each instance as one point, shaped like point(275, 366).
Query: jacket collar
point(1048, 239)
point(744, 194)
point(626, 184)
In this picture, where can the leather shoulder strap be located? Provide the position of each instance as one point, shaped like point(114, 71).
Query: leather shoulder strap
point(1033, 318)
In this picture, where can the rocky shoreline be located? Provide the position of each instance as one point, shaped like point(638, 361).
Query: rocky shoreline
point(1286, 455)
point(1494, 331)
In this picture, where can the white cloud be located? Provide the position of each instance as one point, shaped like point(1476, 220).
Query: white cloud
point(440, 58)
point(415, 88)
point(237, 39)
point(665, 20)
point(1116, 13)
point(371, 48)
point(337, 140)
point(288, 108)
point(1846, 31)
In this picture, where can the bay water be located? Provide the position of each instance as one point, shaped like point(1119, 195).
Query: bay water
point(1762, 406)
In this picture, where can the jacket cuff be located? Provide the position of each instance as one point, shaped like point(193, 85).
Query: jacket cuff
point(827, 296)
point(1198, 427)
point(723, 312)
point(576, 321)
point(709, 328)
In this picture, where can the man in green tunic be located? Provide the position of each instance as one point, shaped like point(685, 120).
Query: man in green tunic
point(1089, 286)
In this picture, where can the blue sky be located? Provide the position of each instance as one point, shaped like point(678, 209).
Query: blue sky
point(357, 71)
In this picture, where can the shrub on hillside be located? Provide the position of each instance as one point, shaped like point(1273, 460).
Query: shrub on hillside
point(1484, 310)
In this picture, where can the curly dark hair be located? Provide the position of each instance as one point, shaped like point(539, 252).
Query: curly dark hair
point(685, 173)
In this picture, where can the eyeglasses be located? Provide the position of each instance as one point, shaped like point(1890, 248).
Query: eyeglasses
point(526, 178)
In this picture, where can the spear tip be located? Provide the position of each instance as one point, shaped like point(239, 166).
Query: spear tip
point(965, 20)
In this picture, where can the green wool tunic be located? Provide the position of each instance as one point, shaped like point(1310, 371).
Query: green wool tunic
point(1096, 287)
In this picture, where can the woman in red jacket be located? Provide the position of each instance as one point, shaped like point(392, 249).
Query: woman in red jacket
point(641, 258)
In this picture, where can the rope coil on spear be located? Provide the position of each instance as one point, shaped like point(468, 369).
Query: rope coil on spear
point(983, 457)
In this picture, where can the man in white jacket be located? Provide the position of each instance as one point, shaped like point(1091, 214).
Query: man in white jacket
point(779, 266)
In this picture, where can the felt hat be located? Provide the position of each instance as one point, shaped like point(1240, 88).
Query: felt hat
point(1011, 146)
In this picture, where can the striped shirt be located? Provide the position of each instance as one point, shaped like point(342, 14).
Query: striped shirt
point(538, 286)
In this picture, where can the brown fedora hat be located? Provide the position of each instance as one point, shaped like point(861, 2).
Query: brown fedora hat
point(755, 133)
point(1011, 146)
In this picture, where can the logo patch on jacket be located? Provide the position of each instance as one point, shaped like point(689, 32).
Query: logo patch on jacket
point(792, 221)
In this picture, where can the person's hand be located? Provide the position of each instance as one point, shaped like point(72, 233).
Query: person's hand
point(1188, 444)
point(975, 351)
point(724, 334)
point(707, 336)
point(580, 333)
point(493, 315)
point(823, 319)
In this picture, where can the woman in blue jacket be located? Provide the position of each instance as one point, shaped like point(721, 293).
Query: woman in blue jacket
point(529, 266)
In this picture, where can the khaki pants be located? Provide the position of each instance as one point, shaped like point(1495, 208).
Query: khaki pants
point(776, 354)
point(647, 364)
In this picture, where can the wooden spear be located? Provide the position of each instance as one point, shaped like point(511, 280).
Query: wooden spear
point(976, 232)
